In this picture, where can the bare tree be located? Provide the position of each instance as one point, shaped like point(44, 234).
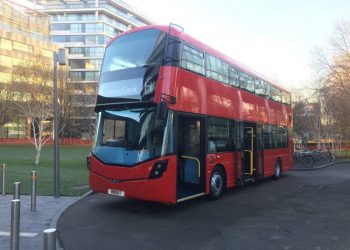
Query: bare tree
point(66, 93)
point(333, 84)
point(7, 107)
point(32, 85)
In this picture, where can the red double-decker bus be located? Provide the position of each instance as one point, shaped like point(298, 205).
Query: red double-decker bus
point(176, 120)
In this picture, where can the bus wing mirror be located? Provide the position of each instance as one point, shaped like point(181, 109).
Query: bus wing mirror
point(162, 111)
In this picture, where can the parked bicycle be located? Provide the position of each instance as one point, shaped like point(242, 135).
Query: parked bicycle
point(305, 158)
point(329, 156)
point(308, 158)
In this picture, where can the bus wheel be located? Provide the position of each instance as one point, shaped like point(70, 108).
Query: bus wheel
point(278, 170)
point(217, 184)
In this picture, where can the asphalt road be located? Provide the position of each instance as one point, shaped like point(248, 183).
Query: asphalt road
point(302, 210)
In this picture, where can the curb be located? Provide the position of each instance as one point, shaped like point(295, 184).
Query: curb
point(58, 214)
point(321, 167)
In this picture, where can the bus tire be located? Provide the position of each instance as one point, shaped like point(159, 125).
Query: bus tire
point(217, 183)
point(278, 170)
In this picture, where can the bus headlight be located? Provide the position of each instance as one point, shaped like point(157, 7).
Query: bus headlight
point(158, 169)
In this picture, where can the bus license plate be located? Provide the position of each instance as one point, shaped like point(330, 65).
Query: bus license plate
point(116, 192)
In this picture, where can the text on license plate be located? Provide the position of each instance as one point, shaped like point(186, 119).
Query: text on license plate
point(116, 192)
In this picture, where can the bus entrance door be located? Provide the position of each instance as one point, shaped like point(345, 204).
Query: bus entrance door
point(190, 174)
point(249, 152)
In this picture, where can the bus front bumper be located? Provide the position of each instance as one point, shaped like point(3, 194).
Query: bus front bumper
point(162, 189)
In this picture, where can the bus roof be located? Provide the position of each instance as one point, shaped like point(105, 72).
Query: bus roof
point(200, 45)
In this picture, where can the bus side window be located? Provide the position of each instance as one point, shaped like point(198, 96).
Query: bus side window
point(238, 135)
point(267, 133)
point(219, 135)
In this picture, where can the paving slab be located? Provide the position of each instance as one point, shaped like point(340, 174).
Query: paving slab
point(32, 224)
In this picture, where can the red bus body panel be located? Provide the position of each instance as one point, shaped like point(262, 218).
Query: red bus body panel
point(197, 94)
point(134, 181)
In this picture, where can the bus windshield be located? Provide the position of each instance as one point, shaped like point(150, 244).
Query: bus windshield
point(131, 136)
point(131, 50)
point(131, 66)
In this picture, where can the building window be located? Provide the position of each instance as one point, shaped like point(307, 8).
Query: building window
point(58, 39)
point(6, 61)
point(5, 44)
point(76, 63)
point(22, 47)
point(18, 61)
point(76, 50)
point(93, 64)
point(91, 39)
point(59, 26)
point(76, 76)
point(73, 17)
point(58, 17)
point(93, 27)
point(88, 17)
point(94, 51)
point(76, 28)
point(113, 22)
point(91, 76)
point(75, 38)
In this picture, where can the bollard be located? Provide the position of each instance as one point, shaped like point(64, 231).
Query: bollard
point(16, 190)
point(50, 239)
point(33, 195)
point(15, 221)
point(3, 179)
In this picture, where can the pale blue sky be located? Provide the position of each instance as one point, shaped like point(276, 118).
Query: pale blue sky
point(274, 37)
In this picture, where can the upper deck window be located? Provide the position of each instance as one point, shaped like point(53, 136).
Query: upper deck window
point(192, 59)
point(233, 76)
point(217, 69)
point(246, 81)
point(276, 94)
point(262, 88)
point(286, 98)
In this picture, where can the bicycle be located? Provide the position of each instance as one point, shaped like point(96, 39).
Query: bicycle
point(329, 156)
point(308, 159)
point(320, 156)
point(305, 158)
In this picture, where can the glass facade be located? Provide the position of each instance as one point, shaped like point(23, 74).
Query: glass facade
point(24, 32)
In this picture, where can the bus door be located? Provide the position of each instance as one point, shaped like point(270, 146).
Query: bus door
point(190, 174)
point(249, 150)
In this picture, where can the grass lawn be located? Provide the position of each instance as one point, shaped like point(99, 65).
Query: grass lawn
point(20, 164)
point(343, 154)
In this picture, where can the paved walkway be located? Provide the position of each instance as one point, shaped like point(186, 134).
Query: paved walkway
point(319, 165)
point(32, 224)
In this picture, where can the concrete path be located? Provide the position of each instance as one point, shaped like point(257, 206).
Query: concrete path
point(302, 210)
point(32, 224)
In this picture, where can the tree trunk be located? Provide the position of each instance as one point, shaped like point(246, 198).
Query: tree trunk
point(37, 157)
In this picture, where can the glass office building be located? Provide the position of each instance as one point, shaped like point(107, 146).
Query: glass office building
point(84, 27)
point(23, 32)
